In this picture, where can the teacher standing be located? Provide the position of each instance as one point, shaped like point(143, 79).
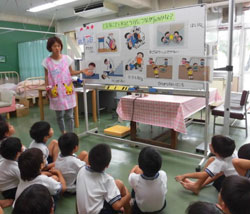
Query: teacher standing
point(59, 85)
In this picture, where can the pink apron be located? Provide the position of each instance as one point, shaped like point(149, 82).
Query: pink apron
point(59, 78)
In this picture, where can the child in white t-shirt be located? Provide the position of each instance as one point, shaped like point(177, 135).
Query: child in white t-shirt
point(10, 149)
point(223, 148)
point(96, 191)
point(30, 163)
point(41, 132)
point(148, 182)
point(67, 162)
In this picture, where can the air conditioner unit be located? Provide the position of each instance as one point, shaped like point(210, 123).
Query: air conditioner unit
point(96, 9)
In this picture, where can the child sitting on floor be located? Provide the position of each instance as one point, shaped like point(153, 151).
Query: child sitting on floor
point(96, 191)
point(41, 132)
point(10, 150)
point(223, 149)
point(67, 162)
point(30, 163)
point(148, 182)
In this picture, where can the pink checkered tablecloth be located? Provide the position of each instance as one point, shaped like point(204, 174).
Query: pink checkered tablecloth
point(167, 111)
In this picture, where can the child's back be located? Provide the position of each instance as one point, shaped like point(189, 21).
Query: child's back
point(148, 182)
point(96, 191)
point(67, 162)
point(41, 132)
point(30, 164)
point(93, 188)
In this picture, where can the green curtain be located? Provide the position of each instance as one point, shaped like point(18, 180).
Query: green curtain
point(31, 55)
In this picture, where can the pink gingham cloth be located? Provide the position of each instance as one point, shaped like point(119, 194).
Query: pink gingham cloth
point(167, 111)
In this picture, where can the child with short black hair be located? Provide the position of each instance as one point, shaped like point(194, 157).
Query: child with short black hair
point(67, 162)
point(96, 191)
point(202, 207)
point(10, 150)
point(6, 130)
point(234, 197)
point(223, 148)
point(34, 199)
point(30, 163)
point(41, 132)
point(148, 182)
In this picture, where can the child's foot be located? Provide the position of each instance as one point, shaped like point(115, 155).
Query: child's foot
point(189, 185)
point(6, 203)
point(179, 178)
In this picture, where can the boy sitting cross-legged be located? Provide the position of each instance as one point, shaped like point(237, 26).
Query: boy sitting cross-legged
point(67, 162)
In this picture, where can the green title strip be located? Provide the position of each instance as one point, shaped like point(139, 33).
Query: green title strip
point(165, 17)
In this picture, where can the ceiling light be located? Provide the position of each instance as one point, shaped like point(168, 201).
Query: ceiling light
point(49, 5)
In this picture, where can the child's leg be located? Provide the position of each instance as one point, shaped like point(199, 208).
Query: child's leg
point(202, 179)
point(241, 165)
point(60, 120)
point(124, 192)
point(212, 179)
point(53, 149)
point(83, 156)
point(69, 119)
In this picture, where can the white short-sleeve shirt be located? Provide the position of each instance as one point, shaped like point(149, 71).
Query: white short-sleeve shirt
point(52, 185)
point(42, 147)
point(69, 166)
point(93, 188)
point(69, 60)
point(150, 192)
point(224, 165)
point(9, 174)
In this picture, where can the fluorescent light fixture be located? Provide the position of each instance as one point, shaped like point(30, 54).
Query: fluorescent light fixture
point(96, 9)
point(49, 5)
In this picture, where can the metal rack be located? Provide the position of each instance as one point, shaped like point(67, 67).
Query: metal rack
point(156, 90)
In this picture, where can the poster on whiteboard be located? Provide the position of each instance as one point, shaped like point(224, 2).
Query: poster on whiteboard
point(159, 49)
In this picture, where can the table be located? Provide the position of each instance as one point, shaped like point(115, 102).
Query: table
point(167, 111)
point(76, 113)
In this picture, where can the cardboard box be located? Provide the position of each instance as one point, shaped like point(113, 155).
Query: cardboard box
point(22, 111)
point(117, 131)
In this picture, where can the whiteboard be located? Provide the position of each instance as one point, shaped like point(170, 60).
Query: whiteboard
point(163, 49)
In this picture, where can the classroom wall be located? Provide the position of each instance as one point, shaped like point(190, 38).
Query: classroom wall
point(34, 20)
point(9, 41)
point(166, 4)
point(67, 25)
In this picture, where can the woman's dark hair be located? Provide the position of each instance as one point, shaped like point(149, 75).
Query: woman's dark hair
point(51, 42)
